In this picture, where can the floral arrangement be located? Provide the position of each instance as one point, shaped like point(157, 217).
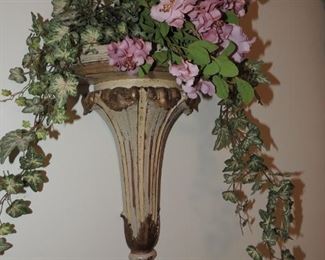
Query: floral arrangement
point(200, 42)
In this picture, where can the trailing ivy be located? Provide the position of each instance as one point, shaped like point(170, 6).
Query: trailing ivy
point(246, 166)
point(48, 81)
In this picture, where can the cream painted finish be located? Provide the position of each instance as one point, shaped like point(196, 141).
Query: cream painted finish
point(140, 114)
point(141, 132)
point(79, 220)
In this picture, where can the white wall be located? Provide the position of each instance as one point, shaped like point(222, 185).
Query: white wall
point(77, 216)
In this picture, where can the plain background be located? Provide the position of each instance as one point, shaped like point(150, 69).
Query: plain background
point(77, 215)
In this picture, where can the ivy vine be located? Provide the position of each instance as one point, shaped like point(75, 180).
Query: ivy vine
point(48, 80)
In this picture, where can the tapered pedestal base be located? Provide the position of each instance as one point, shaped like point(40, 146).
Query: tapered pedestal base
point(143, 256)
point(141, 113)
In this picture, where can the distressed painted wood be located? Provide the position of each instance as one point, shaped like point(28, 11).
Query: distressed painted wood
point(141, 113)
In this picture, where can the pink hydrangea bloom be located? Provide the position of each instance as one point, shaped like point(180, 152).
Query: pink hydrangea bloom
point(172, 11)
point(191, 92)
point(207, 19)
point(207, 87)
point(238, 6)
point(218, 33)
point(205, 14)
point(185, 74)
point(241, 40)
point(129, 54)
point(203, 86)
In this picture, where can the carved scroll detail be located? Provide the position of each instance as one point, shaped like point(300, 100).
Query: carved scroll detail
point(120, 98)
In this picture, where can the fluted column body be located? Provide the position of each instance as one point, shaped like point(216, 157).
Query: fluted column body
point(141, 113)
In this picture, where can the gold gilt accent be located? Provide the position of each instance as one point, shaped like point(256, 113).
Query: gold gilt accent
point(141, 113)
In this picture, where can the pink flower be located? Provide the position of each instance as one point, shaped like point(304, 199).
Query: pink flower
point(218, 33)
point(207, 87)
point(205, 14)
point(172, 11)
point(129, 54)
point(241, 40)
point(238, 6)
point(203, 86)
point(184, 72)
point(208, 21)
point(191, 92)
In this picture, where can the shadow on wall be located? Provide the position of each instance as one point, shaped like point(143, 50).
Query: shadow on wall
point(266, 94)
point(258, 50)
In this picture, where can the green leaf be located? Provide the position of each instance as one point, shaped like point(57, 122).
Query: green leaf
point(211, 69)
point(33, 43)
point(253, 253)
point(245, 90)
point(59, 115)
point(59, 6)
point(257, 186)
point(4, 246)
point(19, 208)
point(122, 28)
point(34, 109)
point(91, 35)
point(250, 178)
point(178, 36)
point(7, 229)
point(285, 190)
point(199, 55)
point(267, 219)
point(36, 180)
point(164, 29)
point(56, 33)
point(175, 58)
point(41, 134)
point(223, 135)
point(252, 139)
point(12, 184)
point(255, 72)
point(232, 17)
point(143, 3)
point(286, 255)
point(36, 89)
point(65, 52)
point(38, 24)
point(239, 122)
point(6, 92)
point(33, 106)
point(189, 38)
point(17, 74)
point(32, 160)
point(27, 60)
point(21, 101)
point(270, 237)
point(230, 196)
point(229, 178)
point(230, 49)
point(159, 38)
point(228, 69)
point(256, 164)
point(26, 124)
point(62, 88)
point(210, 47)
point(221, 86)
point(161, 57)
point(144, 69)
point(233, 165)
point(19, 139)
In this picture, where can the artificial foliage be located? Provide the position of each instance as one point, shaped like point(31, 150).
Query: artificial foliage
point(201, 43)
